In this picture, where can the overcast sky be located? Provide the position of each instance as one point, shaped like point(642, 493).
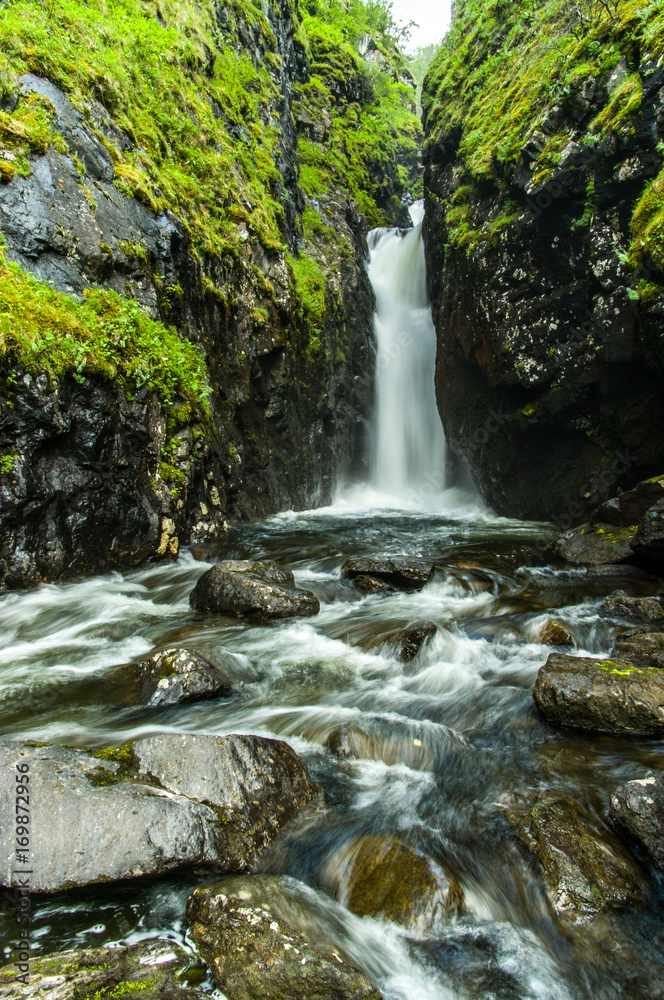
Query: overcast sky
point(433, 17)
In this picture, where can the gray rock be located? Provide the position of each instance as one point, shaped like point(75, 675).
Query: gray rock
point(641, 646)
point(585, 870)
point(172, 676)
point(601, 694)
point(255, 953)
point(642, 609)
point(152, 970)
point(648, 544)
point(400, 574)
point(151, 807)
point(638, 808)
point(259, 590)
point(594, 545)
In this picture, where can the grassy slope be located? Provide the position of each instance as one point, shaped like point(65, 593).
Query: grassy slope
point(199, 115)
point(539, 54)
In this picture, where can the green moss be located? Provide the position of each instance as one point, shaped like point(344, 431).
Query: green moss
point(310, 284)
point(122, 755)
point(106, 334)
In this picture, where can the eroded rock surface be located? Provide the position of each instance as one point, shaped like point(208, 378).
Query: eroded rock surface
point(260, 590)
point(242, 930)
point(172, 676)
point(638, 808)
point(150, 807)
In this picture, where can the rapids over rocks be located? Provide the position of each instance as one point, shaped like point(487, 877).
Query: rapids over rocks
point(425, 756)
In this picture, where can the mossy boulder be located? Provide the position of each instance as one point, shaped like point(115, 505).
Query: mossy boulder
point(248, 932)
point(398, 574)
point(170, 677)
point(602, 694)
point(153, 970)
point(260, 590)
point(643, 647)
point(585, 870)
point(637, 808)
point(597, 544)
point(381, 876)
point(638, 609)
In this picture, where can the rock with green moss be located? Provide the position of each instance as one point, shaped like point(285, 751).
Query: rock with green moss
point(151, 807)
point(643, 647)
point(170, 677)
point(381, 876)
point(585, 871)
point(601, 694)
point(635, 609)
point(596, 544)
point(255, 936)
point(152, 970)
point(637, 808)
point(260, 590)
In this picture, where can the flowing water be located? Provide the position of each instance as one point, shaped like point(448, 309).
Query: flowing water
point(445, 741)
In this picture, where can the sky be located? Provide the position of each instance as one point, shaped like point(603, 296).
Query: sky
point(433, 17)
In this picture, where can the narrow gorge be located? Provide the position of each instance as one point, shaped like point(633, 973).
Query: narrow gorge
point(332, 501)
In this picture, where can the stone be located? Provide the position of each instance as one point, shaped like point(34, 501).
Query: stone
point(241, 929)
point(147, 808)
point(601, 694)
point(260, 590)
point(554, 634)
point(373, 585)
point(641, 646)
point(172, 676)
point(642, 609)
point(411, 640)
point(381, 876)
point(152, 970)
point(585, 870)
point(400, 574)
point(637, 807)
point(648, 543)
point(594, 545)
point(423, 746)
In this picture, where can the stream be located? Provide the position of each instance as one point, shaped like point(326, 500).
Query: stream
point(449, 738)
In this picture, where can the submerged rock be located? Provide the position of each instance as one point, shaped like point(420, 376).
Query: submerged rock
point(152, 970)
point(259, 590)
point(423, 746)
point(554, 634)
point(638, 808)
point(601, 694)
point(150, 807)
point(256, 953)
point(641, 646)
point(399, 574)
point(585, 870)
point(172, 676)
point(380, 876)
point(642, 609)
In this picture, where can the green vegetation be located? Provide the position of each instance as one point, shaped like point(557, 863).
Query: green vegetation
point(106, 334)
point(502, 70)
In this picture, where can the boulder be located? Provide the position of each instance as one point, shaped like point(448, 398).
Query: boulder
point(601, 694)
point(554, 634)
point(641, 609)
point(260, 590)
point(648, 543)
point(410, 640)
point(171, 676)
point(256, 953)
point(641, 646)
point(423, 746)
point(150, 807)
point(638, 808)
point(596, 544)
point(373, 585)
point(380, 876)
point(585, 870)
point(400, 574)
point(152, 970)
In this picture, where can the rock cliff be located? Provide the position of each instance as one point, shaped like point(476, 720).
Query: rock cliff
point(185, 317)
point(544, 129)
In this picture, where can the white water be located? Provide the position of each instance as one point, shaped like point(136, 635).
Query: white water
point(409, 444)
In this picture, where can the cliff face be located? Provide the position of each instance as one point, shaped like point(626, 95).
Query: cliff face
point(185, 317)
point(544, 237)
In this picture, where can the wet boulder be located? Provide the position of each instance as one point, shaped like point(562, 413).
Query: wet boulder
point(260, 590)
point(399, 574)
point(171, 676)
point(596, 544)
point(423, 746)
point(641, 646)
point(411, 640)
point(161, 803)
point(638, 808)
point(152, 970)
point(381, 876)
point(638, 609)
point(585, 870)
point(601, 694)
point(248, 934)
point(554, 634)
point(648, 543)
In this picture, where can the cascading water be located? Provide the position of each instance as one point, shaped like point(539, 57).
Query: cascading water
point(409, 445)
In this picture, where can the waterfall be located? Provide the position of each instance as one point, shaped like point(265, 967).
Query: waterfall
point(409, 445)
